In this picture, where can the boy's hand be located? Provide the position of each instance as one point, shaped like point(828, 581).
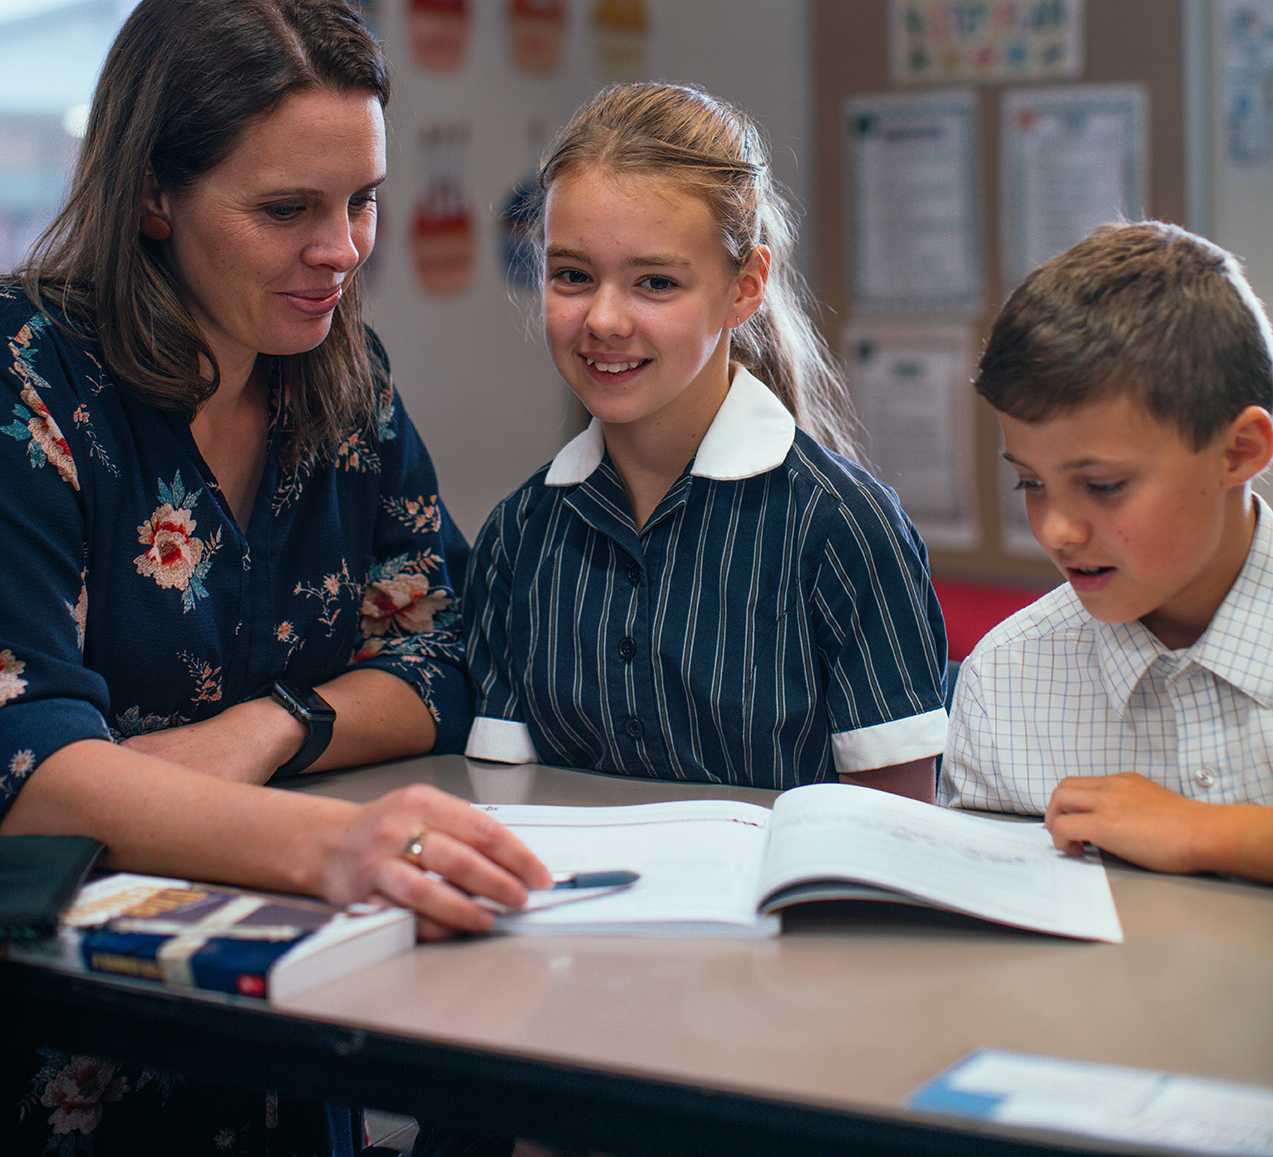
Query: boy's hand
point(1130, 816)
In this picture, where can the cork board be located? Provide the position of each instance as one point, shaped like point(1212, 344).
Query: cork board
point(1131, 42)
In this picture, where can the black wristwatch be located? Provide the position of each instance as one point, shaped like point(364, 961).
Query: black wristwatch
point(307, 705)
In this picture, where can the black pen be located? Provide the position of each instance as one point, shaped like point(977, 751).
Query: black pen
point(613, 879)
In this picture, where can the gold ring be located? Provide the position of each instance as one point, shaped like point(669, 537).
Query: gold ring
point(413, 849)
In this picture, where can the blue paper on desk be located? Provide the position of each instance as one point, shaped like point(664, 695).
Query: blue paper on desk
point(1114, 1102)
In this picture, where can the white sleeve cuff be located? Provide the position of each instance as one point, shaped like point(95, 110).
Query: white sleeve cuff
point(501, 740)
point(891, 743)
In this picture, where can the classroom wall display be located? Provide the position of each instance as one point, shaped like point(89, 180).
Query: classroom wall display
point(944, 41)
point(620, 32)
point(1247, 100)
point(444, 232)
point(1073, 158)
point(439, 32)
point(1112, 141)
point(536, 35)
point(910, 387)
point(911, 210)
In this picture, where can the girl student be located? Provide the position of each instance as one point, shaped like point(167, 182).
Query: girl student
point(703, 585)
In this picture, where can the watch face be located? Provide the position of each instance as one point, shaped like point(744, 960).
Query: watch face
point(305, 703)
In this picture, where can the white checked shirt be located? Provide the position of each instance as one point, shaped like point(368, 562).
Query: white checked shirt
point(1053, 692)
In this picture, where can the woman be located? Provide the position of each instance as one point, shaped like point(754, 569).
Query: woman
point(222, 528)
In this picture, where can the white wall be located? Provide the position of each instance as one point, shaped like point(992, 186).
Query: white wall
point(480, 388)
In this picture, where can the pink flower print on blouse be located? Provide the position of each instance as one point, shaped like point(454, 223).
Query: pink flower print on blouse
point(174, 557)
point(11, 682)
point(46, 444)
point(407, 602)
point(77, 1093)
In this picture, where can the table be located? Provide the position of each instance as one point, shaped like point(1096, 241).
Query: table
point(807, 1043)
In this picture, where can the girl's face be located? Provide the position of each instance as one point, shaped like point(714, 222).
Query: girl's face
point(264, 244)
point(638, 297)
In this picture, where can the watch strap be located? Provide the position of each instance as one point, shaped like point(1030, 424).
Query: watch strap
point(315, 714)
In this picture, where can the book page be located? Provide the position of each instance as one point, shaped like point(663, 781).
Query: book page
point(999, 870)
point(698, 862)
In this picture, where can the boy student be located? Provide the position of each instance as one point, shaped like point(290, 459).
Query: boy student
point(1133, 706)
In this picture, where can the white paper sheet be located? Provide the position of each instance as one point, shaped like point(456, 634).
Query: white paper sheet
point(1247, 63)
point(996, 869)
point(912, 221)
point(1116, 1102)
point(710, 879)
point(1073, 158)
point(910, 385)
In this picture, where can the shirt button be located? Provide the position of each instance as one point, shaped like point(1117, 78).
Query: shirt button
point(627, 649)
point(634, 575)
point(1204, 777)
point(633, 727)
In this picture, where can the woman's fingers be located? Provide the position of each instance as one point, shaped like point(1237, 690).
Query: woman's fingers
point(484, 835)
point(432, 898)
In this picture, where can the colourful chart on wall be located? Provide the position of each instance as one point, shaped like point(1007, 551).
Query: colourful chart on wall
point(536, 35)
point(444, 233)
point(438, 32)
point(621, 30)
point(941, 41)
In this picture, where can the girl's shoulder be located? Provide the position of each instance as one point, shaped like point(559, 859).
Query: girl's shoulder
point(837, 478)
point(511, 513)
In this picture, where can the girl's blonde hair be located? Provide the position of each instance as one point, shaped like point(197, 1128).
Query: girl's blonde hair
point(714, 151)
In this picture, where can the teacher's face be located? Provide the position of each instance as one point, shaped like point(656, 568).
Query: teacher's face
point(264, 243)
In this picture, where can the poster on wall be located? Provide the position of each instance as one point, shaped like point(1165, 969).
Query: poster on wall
point(1247, 63)
point(957, 41)
point(1073, 158)
point(911, 390)
point(911, 213)
point(438, 32)
point(444, 231)
point(536, 35)
point(620, 36)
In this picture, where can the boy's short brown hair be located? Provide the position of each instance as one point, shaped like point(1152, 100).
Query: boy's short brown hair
point(1143, 308)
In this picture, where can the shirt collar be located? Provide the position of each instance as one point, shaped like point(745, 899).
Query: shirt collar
point(751, 434)
point(1226, 648)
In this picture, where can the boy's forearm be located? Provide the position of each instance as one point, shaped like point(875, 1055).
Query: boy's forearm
point(1237, 840)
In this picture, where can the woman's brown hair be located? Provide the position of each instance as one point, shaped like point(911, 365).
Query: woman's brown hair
point(181, 82)
point(714, 151)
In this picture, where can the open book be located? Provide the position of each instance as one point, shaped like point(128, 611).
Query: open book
point(215, 937)
point(716, 867)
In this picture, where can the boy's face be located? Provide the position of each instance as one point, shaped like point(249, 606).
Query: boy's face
point(1132, 515)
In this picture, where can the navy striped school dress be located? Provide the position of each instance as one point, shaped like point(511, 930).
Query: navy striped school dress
point(773, 622)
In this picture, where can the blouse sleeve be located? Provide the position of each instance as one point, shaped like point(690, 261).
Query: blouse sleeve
point(48, 697)
point(409, 622)
point(882, 639)
point(499, 732)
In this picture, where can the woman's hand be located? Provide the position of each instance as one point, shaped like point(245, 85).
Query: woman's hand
point(465, 854)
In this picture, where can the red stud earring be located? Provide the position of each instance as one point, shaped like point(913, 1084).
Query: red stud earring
point(155, 227)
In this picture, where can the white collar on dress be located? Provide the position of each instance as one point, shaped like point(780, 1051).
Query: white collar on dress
point(751, 434)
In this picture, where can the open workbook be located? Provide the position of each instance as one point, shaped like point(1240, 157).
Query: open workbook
point(725, 868)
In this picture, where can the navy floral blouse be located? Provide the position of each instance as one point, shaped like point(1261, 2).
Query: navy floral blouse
point(133, 601)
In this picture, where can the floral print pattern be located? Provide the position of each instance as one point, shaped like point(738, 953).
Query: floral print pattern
point(351, 560)
point(35, 426)
point(175, 558)
point(11, 682)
